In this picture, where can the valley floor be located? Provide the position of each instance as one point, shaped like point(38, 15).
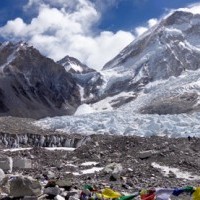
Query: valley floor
point(145, 161)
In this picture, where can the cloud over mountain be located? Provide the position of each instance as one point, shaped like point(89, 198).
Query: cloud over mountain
point(70, 27)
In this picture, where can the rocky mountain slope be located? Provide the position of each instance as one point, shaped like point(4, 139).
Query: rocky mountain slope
point(32, 85)
point(169, 49)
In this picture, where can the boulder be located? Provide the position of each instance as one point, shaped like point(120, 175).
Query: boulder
point(49, 175)
point(73, 198)
point(6, 164)
point(66, 184)
point(2, 175)
point(73, 195)
point(146, 154)
point(22, 163)
point(20, 186)
point(52, 191)
point(114, 169)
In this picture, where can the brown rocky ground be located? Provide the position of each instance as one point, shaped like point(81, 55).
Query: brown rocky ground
point(135, 154)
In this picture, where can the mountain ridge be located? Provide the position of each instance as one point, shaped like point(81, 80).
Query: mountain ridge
point(33, 85)
point(168, 49)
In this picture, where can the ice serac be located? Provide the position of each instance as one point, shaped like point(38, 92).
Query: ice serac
point(34, 86)
point(169, 49)
point(89, 80)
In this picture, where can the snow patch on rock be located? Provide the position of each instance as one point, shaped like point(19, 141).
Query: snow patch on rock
point(177, 172)
point(84, 109)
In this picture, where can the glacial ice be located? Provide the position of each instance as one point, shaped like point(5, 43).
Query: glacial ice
point(126, 120)
point(126, 123)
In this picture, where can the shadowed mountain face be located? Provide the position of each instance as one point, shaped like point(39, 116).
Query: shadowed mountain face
point(34, 86)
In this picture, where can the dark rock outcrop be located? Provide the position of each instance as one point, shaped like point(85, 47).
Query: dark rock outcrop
point(184, 103)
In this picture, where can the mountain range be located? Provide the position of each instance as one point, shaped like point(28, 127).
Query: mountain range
point(157, 74)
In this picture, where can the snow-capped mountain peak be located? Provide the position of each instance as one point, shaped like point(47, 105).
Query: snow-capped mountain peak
point(194, 9)
point(167, 49)
point(73, 65)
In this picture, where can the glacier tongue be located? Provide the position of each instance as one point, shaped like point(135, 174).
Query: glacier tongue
point(126, 120)
point(126, 123)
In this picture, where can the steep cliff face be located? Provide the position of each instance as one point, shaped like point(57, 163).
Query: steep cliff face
point(34, 86)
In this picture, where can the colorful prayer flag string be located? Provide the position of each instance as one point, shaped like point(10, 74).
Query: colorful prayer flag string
point(90, 193)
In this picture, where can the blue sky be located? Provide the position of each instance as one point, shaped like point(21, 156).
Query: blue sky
point(94, 31)
point(131, 13)
point(124, 14)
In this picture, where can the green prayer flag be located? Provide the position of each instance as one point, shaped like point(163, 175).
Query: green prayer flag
point(189, 189)
point(129, 197)
point(89, 187)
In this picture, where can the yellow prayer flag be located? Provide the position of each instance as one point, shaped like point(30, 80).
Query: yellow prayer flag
point(107, 193)
point(196, 194)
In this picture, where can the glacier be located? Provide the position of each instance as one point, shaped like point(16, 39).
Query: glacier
point(126, 120)
point(125, 123)
point(160, 69)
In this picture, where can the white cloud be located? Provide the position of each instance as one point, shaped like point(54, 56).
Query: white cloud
point(193, 8)
point(142, 29)
point(152, 22)
point(67, 28)
point(15, 27)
